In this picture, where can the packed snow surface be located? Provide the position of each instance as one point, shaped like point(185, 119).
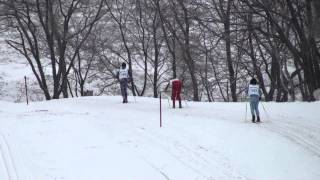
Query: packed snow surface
point(99, 138)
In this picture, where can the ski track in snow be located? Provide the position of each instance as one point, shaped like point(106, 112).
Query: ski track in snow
point(198, 161)
point(7, 159)
point(174, 144)
point(304, 136)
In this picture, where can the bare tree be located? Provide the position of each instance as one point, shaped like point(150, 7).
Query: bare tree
point(214, 46)
point(43, 29)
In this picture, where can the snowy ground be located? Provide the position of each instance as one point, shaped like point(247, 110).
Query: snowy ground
point(99, 138)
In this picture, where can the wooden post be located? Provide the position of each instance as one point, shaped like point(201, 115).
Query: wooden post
point(26, 89)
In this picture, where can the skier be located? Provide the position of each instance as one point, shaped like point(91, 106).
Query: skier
point(254, 93)
point(176, 91)
point(123, 76)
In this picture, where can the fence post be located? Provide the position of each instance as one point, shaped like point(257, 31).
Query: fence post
point(26, 89)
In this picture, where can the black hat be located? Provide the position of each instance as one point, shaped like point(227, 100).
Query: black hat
point(253, 81)
point(124, 65)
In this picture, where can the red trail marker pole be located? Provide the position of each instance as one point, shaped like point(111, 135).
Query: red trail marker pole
point(160, 110)
point(26, 89)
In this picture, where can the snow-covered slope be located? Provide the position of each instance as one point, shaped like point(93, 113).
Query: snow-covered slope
point(13, 68)
point(99, 138)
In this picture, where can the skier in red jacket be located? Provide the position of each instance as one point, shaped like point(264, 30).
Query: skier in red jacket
point(176, 91)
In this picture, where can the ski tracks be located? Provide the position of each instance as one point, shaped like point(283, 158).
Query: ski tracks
point(205, 162)
point(305, 136)
point(198, 159)
point(7, 159)
point(12, 160)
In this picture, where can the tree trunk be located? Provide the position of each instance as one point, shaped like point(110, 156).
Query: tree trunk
point(227, 33)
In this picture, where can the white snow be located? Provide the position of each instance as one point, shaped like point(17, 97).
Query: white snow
point(99, 138)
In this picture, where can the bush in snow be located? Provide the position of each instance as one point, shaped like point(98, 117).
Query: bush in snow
point(1, 86)
point(34, 92)
point(316, 94)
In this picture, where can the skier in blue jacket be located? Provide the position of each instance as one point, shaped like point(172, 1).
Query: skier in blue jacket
point(254, 93)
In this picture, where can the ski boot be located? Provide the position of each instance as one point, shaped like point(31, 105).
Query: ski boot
point(253, 119)
point(258, 119)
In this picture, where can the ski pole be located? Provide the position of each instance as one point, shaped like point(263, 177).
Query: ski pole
point(168, 101)
point(245, 117)
point(135, 101)
point(185, 102)
point(167, 97)
point(134, 96)
point(265, 111)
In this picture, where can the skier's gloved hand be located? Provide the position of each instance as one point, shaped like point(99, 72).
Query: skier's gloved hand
point(259, 98)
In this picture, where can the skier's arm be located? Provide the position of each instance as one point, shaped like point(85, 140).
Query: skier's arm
point(167, 86)
point(129, 76)
point(247, 91)
point(116, 74)
point(260, 94)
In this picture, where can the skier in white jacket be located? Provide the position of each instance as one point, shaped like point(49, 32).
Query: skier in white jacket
point(123, 76)
point(254, 93)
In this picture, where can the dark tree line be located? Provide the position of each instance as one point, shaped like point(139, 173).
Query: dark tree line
point(214, 46)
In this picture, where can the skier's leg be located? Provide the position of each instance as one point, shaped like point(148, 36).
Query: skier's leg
point(122, 91)
point(173, 98)
point(126, 91)
point(257, 110)
point(179, 98)
point(174, 103)
point(252, 108)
